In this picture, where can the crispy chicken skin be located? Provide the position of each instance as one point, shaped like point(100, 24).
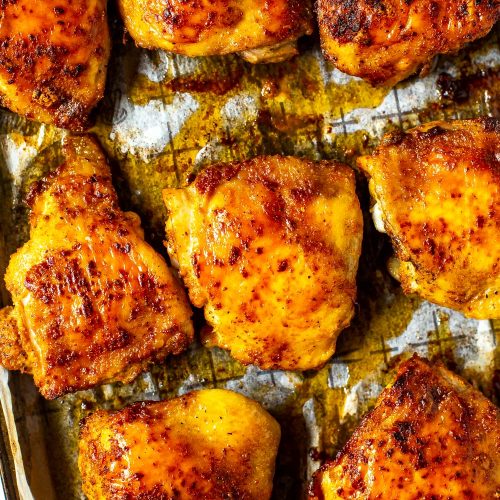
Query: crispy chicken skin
point(53, 58)
point(270, 248)
point(261, 30)
point(207, 445)
point(437, 191)
point(92, 301)
point(386, 41)
point(431, 435)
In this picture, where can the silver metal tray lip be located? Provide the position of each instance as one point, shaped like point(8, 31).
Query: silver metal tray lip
point(9, 489)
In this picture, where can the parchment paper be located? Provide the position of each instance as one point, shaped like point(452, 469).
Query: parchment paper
point(163, 119)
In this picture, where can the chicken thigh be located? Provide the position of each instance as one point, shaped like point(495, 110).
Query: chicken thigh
point(270, 248)
point(93, 302)
point(386, 41)
point(208, 445)
point(431, 435)
point(437, 194)
point(53, 59)
point(260, 30)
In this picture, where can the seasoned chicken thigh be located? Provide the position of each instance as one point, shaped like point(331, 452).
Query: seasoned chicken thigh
point(93, 302)
point(207, 445)
point(437, 193)
point(260, 30)
point(386, 41)
point(430, 436)
point(270, 248)
point(53, 59)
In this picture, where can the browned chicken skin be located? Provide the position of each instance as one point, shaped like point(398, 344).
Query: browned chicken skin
point(270, 248)
point(430, 436)
point(53, 59)
point(206, 445)
point(437, 193)
point(386, 41)
point(260, 30)
point(93, 302)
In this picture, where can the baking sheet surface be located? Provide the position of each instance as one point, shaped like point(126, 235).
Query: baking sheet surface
point(163, 119)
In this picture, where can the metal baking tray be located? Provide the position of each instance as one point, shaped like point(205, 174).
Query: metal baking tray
point(165, 117)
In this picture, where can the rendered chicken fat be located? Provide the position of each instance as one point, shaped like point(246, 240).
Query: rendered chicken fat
point(430, 435)
point(270, 248)
point(209, 445)
point(93, 302)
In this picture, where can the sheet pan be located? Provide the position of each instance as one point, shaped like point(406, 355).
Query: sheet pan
point(163, 119)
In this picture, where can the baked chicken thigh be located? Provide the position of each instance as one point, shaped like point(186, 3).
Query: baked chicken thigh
point(270, 248)
point(260, 30)
point(53, 59)
point(208, 445)
point(386, 41)
point(430, 436)
point(93, 302)
point(437, 194)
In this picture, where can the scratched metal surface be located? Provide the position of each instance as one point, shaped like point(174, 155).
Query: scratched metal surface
point(163, 119)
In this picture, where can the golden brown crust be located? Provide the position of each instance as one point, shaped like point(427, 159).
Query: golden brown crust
point(438, 190)
point(53, 58)
point(93, 302)
point(270, 248)
point(210, 445)
point(385, 41)
point(12, 354)
point(430, 436)
point(207, 27)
